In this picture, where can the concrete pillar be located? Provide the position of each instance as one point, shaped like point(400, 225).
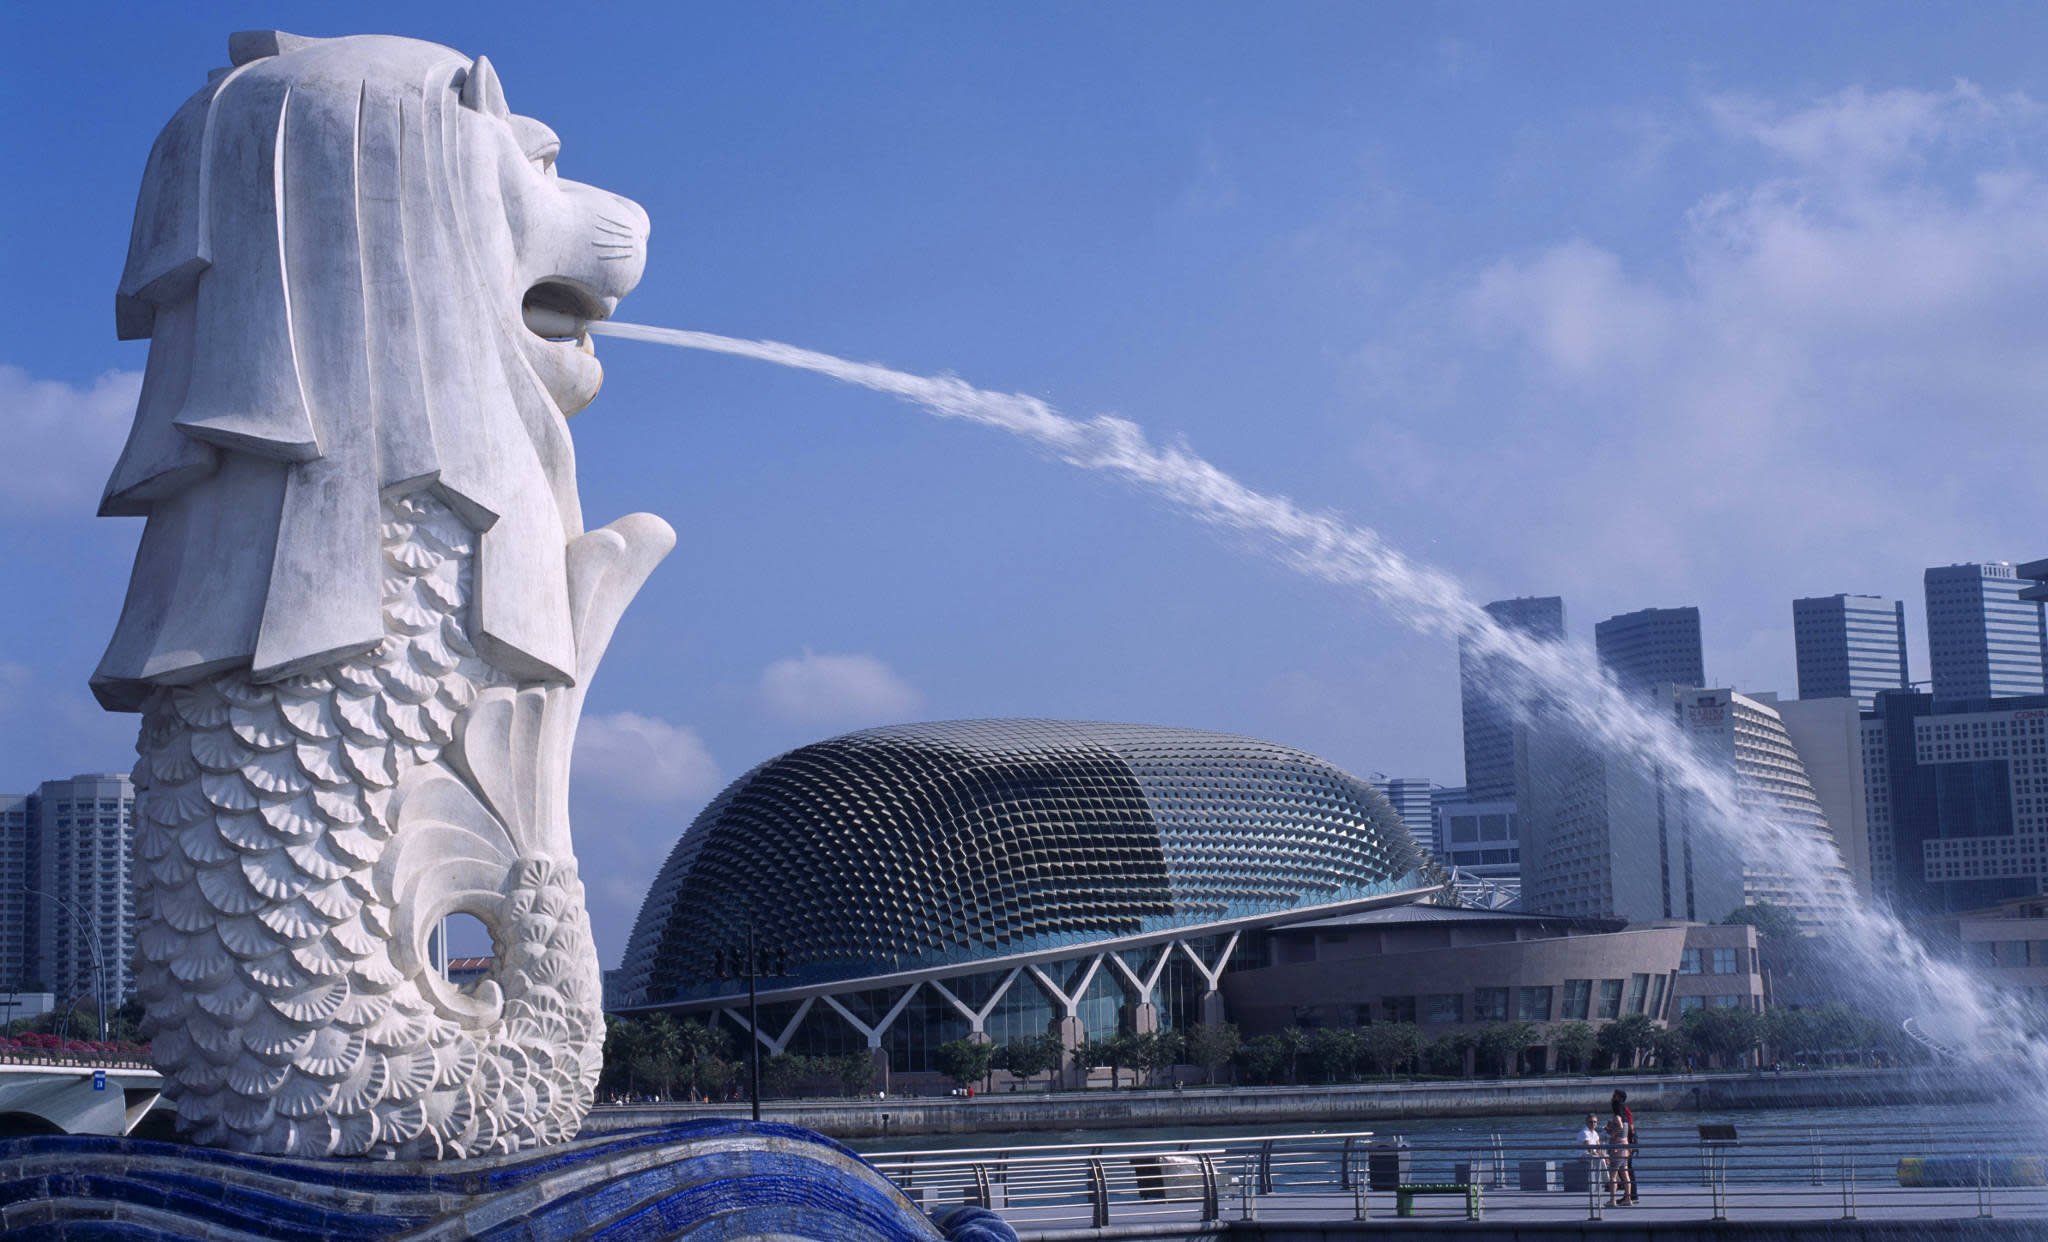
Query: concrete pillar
point(1212, 1008)
point(1073, 1033)
point(1144, 1017)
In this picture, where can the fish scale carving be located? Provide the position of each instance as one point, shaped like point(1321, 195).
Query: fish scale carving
point(265, 961)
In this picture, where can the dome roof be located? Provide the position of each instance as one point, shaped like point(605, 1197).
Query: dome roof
point(923, 845)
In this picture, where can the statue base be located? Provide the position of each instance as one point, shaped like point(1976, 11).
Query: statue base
point(697, 1180)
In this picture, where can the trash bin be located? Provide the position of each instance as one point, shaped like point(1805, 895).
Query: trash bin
point(1577, 1175)
point(1536, 1175)
point(1387, 1162)
point(1167, 1177)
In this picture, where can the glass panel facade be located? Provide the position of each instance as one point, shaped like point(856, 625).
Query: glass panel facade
point(1397, 1009)
point(1445, 1007)
point(1610, 999)
point(1536, 1004)
point(1103, 1009)
point(1025, 1012)
point(1638, 992)
point(1578, 998)
point(824, 1033)
point(1689, 962)
point(1657, 996)
point(1724, 962)
point(1489, 1004)
point(1179, 994)
point(925, 1023)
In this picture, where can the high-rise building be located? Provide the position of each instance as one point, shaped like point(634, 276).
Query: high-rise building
point(1958, 798)
point(1414, 799)
point(1849, 646)
point(2035, 572)
point(1614, 838)
point(1490, 738)
point(85, 916)
point(17, 875)
point(1649, 648)
point(1984, 636)
point(1828, 734)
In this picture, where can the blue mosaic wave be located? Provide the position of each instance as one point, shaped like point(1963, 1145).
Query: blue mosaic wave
point(700, 1181)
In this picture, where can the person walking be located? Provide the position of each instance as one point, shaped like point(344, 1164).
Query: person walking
point(1616, 1151)
point(1626, 1157)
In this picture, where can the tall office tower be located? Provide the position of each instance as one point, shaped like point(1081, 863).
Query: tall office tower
point(17, 852)
point(1984, 636)
point(86, 919)
point(1828, 734)
point(1646, 649)
point(2036, 575)
point(1849, 646)
point(1958, 797)
point(1413, 799)
point(1490, 736)
point(1624, 840)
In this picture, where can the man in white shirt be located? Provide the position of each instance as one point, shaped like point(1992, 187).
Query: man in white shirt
point(1596, 1153)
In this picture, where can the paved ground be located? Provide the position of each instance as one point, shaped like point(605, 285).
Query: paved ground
point(1756, 1202)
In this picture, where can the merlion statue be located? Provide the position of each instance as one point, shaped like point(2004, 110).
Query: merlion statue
point(364, 609)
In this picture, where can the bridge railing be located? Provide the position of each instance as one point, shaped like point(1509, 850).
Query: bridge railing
point(1776, 1172)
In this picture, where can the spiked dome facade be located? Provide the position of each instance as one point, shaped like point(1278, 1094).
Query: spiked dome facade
point(933, 849)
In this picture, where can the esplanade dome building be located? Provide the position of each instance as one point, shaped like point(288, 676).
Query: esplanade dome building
point(916, 884)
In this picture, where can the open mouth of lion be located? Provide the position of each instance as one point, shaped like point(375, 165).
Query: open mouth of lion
point(558, 311)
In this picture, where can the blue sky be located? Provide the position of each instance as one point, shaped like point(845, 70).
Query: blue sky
point(1640, 305)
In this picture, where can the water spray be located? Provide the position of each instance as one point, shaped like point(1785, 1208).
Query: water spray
point(1982, 1025)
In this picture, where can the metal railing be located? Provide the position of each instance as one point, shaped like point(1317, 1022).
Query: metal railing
point(1797, 1173)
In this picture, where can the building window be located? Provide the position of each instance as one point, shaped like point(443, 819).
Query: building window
point(1689, 962)
point(1724, 961)
point(1489, 1004)
point(1536, 1004)
point(1397, 1008)
point(1657, 997)
point(1638, 991)
point(1610, 999)
point(1578, 998)
point(1446, 1007)
point(1731, 1002)
point(1686, 1004)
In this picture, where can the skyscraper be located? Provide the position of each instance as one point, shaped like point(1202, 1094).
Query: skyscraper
point(1849, 646)
point(1413, 798)
point(85, 918)
point(1647, 649)
point(17, 875)
point(1958, 798)
point(1984, 636)
point(1490, 738)
point(1625, 840)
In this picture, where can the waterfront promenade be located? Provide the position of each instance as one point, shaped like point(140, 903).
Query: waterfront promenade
point(1345, 1104)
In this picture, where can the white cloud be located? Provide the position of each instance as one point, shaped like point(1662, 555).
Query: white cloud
point(70, 435)
point(1824, 375)
point(628, 757)
point(1857, 132)
point(815, 689)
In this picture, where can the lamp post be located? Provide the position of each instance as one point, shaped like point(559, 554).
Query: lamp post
point(730, 965)
point(92, 942)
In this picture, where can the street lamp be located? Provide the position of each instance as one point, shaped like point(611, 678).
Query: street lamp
point(755, 965)
point(92, 942)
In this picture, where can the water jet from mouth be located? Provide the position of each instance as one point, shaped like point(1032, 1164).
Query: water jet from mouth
point(1886, 959)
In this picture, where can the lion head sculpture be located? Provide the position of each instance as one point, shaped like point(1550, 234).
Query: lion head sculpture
point(333, 247)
